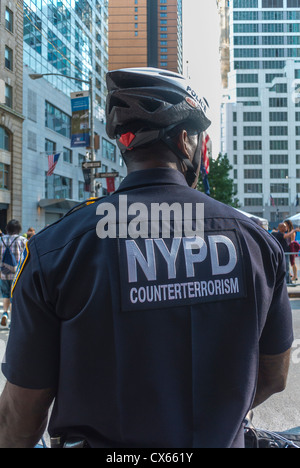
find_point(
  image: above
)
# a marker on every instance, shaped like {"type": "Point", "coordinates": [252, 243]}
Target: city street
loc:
{"type": "Point", "coordinates": [280, 413]}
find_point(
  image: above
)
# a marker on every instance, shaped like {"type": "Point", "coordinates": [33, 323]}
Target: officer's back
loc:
{"type": "Point", "coordinates": [150, 337]}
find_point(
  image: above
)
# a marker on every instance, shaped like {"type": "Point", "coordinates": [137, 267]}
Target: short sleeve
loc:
{"type": "Point", "coordinates": [277, 336]}
{"type": "Point", "coordinates": [32, 355]}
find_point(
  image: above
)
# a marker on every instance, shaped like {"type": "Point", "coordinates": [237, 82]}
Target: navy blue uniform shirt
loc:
{"type": "Point", "coordinates": [149, 342]}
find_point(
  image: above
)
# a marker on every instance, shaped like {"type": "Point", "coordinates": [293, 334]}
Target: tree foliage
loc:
{"type": "Point", "coordinates": [221, 184]}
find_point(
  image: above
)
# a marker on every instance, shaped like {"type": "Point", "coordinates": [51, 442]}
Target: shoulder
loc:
{"type": "Point", "coordinates": [75, 224]}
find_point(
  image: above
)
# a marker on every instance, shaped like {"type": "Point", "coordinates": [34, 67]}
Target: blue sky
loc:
{"type": "Point", "coordinates": [201, 49]}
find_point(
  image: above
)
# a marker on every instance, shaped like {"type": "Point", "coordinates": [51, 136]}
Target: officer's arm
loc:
{"type": "Point", "coordinates": [272, 377]}
{"type": "Point", "coordinates": [23, 416]}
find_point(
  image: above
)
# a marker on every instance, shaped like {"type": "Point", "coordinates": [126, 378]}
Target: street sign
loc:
{"type": "Point", "coordinates": [103, 175]}
{"type": "Point", "coordinates": [91, 164]}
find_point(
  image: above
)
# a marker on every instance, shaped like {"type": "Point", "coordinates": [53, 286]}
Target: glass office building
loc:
{"type": "Point", "coordinates": [65, 37]}
{"type": "Point", "coordinates": [68, 37]}
{"type": "Point", "coordinates": [260, 114]}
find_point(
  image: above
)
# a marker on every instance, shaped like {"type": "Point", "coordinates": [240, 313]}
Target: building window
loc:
{"type": "Point", "coordinates": [279, 188]}
{"type": "Point", "coordinates": [252, 131]}
{"type": "Point", "coordinates": [246, 53]}
{"type": "Point", "coordinates": [8, 58]}
{"type": "Point", "coordinates": [279, 159]}
{"type": "Point", "coordinates": [252, 159]}
{"type": "Point", "coordinates": [245, 4]}
{"type": "Point", "coordinates": [278, 116]}
{"type": "Point", "coordinates": [32, 31]}
{"type": "Point", "coordinates": [247, 92]}
{"type": "Point", "coordinates": [270, 76]}
{"type": "Point", "coordinates": [253, 201]}
{"type": "Point", "coordinates": [278, 102]}
{"type": "Point", "coordinates": [279, 145]}
{"type": "Point", "coordinates": [68, 155]}
{"type": "Point", "coordinates": [271, 28]}
{"type": "Point", "coordinates": [4, 139]}
{"type": "Point", "coordinates": [81, 191]}
{"type": "Point", "coordinates": [50, 147]}
{"type": "Point", "coordinates": [253, 188]}
{"type": "Point", "coordinates": [58, 187]}
{"type": "Point", "coordinates": [279, 173]}
{"type": "Point", "coordinates": [272, 40]}
{"type": "Point", "coordinates": [279, 88]}
{"type": "Point", "coordinates": [108, 150]}
{"type": "Point", "coordinates": [4, 176]}
{"type": "Point", "coordinates": [281, 201]}
{"type": "Point", "coordinates": [278, 131]}
{"type": "Point", "coordinates": [9, 20]}
{"type": "Point", "coordinates": [272, 3]}
{"type": "Point", "coordinates": [57, 120]}
{"type": "Point", "coordinates": [8, 96]}
{"type": "Point", "coordinates": [253, 174]}
{"type": "Point", "coordinates": [252, 117]}
{"type": "Point", "coordinates": [252, 145]}
{"type": "Point", "coordinates": [247, 78]}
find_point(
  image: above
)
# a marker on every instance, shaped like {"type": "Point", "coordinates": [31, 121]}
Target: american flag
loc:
{"type": "Point", "coordinates": [52, 161]}
{"type": "Point", "coordinates": [272, 200]}
{"type": "Point", "coordinates": [205, 157]}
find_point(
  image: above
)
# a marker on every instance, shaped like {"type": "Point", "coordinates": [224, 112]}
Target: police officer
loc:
{"type": "Point", "coordinates": [147, 335]}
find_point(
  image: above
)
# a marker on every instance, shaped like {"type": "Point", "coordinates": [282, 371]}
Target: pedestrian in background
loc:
{"type": "Point", "coordinates": [11, 246]}
{"type": "Point", "coordinates": [294, 247]}
{"type": "Point", "coordinates": [30, 233]}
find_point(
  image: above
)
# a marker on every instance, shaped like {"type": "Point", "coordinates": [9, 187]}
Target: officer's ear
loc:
{"type": "Point", "coordinates": [187, 144]}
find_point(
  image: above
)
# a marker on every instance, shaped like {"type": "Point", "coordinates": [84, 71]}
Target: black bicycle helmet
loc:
{"type": "Point", "coordinates": [144, 105]}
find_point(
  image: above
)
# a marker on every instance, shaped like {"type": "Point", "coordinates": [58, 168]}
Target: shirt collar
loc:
{"type": "Point", "coordinates": [157, 176]}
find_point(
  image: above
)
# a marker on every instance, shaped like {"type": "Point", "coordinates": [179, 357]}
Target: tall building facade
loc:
{"type": "Point", "coordinates": [66, 37]}
{"type": "Point", "coordinates": [145, 33]}
{"type": "Point", "coordinates": [260, 114]}
{"type": "Point", "coordinates": [11, 110]}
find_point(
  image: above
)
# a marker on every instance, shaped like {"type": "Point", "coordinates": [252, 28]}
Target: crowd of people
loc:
{"type": "Point", "coordinates": [12, 245]}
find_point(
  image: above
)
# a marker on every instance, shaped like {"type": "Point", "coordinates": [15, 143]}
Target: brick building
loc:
{"type": "Point", "coordinates": [11, 112]}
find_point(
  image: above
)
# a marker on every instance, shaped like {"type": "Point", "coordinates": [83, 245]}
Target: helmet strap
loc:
{"type": "Point", "coordinates": [192, 166]}
{"type": "Point", "coordinates": [129, 141]}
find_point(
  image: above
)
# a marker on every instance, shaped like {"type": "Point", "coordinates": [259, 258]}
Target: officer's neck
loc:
{"type": "Point", "coordinates": [144, 165]}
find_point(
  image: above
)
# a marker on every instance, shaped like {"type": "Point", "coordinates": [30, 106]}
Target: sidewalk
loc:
{"type": "Point", "coordinates": [294, 287]}
{"type": "Point", "coordinates": [294, 291]}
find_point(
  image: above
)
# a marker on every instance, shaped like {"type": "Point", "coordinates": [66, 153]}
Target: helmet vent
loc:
{"type": "Point", "coordinates": [150, 105]}
{"type": "Point", "coordinates": [117, 102]}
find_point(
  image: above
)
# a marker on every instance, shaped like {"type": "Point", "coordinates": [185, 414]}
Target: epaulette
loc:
{"type": "Point", "coordinates": [81, 205]}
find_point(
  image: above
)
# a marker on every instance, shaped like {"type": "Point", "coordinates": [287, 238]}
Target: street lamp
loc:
{"type": "Point", "coordinates": [37, 76]}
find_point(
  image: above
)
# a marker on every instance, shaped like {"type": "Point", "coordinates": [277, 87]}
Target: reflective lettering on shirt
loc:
{"type": "Point", "coordinates": [181, 270]}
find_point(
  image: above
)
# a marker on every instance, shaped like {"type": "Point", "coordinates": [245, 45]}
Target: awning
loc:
{"type": "Point", "coordinates": [261, 221]}
{"type": "Point", "coordinates": [57, 204]}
